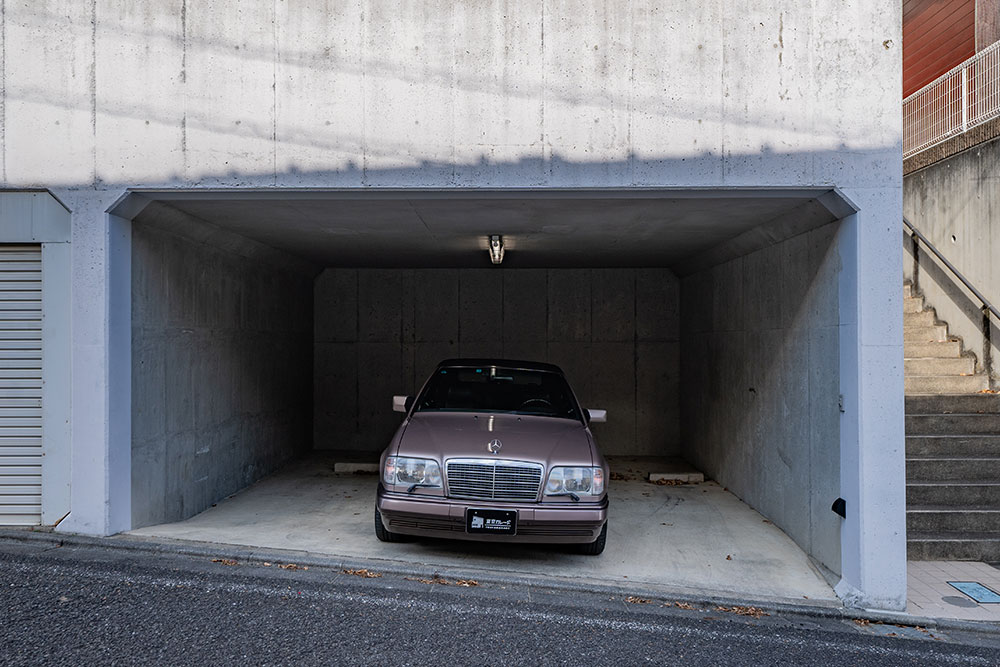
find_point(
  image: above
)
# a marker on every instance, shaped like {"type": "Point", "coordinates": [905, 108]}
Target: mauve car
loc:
{"type": "Point", "coordinates": [494, 450]}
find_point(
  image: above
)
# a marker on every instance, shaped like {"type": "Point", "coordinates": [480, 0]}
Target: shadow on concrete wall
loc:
{"type": "Point", "coordinates": [935, 281]}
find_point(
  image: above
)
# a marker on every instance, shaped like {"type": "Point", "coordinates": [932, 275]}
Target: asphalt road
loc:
{"type": "Point", "coordinates": [82, 604]}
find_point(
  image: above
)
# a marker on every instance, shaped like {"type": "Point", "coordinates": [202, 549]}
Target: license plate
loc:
{"type": "Point", "coordinates": [493, 522]}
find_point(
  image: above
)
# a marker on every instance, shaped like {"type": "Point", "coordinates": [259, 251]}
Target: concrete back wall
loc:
{"type": "Point", "coordinates": [760, 372]}
{"type": "Point", "coordinates": [955, 204]}
{"type": "Point", "coordinates": [613, 331]}
{"type": "Point", "coordinates": [222, 365]}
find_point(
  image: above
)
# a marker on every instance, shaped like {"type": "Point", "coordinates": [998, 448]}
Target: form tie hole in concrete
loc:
{"type": "Point", "coordinates": [954, 239]}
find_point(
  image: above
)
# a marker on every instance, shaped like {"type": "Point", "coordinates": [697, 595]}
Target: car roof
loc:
{"type": "Point", "coordinates": [504, 363]}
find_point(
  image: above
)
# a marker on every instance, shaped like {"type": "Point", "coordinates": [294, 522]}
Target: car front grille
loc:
{"type": "Point", "coordinates": [493, 480]}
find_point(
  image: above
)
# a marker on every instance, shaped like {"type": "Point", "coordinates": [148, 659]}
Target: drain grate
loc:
{"type": "Point", "coordinates": [976, 591]}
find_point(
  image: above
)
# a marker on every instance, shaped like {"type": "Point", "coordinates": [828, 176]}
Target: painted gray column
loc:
{"type": "Point", "coordinates": [101, 447]}
{"type": "Point", "coordinates": [872, 462]}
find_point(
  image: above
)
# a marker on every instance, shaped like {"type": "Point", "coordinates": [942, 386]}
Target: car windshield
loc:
{"type": "Point", "coordinates": [497, 389]}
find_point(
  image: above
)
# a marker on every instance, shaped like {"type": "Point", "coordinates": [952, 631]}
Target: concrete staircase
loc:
{"type": "Point", "coordinates": [952, 445]}
{"type": "Point", "coordinates": [933, 361]}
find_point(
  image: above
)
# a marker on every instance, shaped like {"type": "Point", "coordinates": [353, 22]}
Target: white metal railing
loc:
{"type": "Point", "coordinates": [964, 97]}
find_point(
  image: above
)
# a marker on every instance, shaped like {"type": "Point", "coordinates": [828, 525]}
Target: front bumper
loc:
{"type": "Point", "coordinates": [553, 523]}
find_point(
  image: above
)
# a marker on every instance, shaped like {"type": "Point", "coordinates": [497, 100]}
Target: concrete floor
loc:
{"type": "Point", "coordinates": [690, 538]}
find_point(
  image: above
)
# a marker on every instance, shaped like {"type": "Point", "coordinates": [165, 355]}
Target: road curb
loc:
{"type": "Point", "coordinates": [404, 568]}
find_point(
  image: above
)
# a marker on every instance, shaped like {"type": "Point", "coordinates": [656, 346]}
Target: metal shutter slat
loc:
{"type": "Point", "coordinates": [21, 443]}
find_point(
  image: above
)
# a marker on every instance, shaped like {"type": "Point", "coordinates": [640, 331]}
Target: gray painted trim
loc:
{"type": "Point", "coordinates": [56, 388]}
{"type": "Point", "coordinates": [33, 217]}
{"type": "Point", "coordinates": [132, 203]}
{"type": "Point", "coordinates": [119, 470]}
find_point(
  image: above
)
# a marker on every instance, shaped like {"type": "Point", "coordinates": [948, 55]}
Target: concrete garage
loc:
{"type": "Point", "coordinates": [269, 331]}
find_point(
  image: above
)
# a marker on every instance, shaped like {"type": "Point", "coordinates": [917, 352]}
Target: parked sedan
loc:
{"type": "Point", "coordinates": [494, 450]}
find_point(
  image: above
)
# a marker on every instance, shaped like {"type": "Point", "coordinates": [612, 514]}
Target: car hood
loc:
{"type": "Point", "coordinates": [546, 440]}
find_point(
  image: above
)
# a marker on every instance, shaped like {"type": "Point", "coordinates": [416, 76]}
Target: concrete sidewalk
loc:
{"type": "Point", "coordinates": [929, 593]}
{"type": "Point", "coordinates": [688, 538]}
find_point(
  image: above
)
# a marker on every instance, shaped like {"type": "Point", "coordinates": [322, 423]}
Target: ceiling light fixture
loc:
{"type": "Point", "coordinates": [496, 248]}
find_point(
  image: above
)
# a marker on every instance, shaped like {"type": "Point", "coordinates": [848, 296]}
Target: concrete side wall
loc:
{"type": "Point", "coordinates": [614, 332]}
{"type": "Point", "coordinates": [760, 372]}
{"type": "Point", "coordinates": [222, 372]}
{"type": "Point", "coordinates": [955, 203]}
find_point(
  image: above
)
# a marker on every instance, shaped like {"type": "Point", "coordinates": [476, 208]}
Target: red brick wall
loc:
{"type": "Point", "coordinates": [937, 35]}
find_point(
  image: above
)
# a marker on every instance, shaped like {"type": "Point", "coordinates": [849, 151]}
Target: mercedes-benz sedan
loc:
{"type": "Point", "coordinates": [494, 450]}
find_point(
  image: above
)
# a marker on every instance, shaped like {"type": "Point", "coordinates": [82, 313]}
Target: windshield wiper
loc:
{"type": "Point", "coordinates": [575, 497]}
{"type": "Point", "coordinates": [421, 486]}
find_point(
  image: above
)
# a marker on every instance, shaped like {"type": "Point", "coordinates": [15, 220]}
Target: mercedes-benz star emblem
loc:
{"type": "Point", "coordinates": [494, 446]}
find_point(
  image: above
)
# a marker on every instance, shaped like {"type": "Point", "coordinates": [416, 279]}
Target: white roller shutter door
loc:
{"type": "Point", "coordinates": [20, 385]}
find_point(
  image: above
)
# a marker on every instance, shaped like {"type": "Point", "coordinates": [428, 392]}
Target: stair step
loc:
{"type": "Point", "coordinates": [964, 404]}
{"type": "Point", "coordinates": [925, 334]}
{"type": "Point", "coordinates": [942, 469]}
{"type": "Point", "coordinates": [923, 318]}
{"type": "Point", "coordinates": [960, 423]}
{"type": "Point", "coordinates": [957, 446]}
{"type": "Point", "coordinates": [944, 384]}
{"type": "Point", "coordinates": [945, 349]}
{"type": "Point", "coordinates": [955, 521]}
{"type": "Point", "coordinates": [934, 546]}
{"type": "Point", "coordinates": [957, 493]}
{"type": "Point", "coordinates": [912, 304]}
{"type": "Point", "coordinates": [938, 366]}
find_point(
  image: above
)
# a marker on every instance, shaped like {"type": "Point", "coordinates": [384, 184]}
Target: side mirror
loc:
{"type": "Point", "coordinates": [401, 403]}
{"type": "Point", "coordinates": [597, 416]}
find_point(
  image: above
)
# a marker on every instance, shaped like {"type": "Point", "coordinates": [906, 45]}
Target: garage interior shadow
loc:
{"type": "Point", "coordinates": [266, 329]}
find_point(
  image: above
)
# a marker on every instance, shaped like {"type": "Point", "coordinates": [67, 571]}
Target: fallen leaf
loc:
{"type": "Point", "coordinates": [635, 600]}
{"type": "Point", "coordinates": [468, 583]}
{"type": "Point", "coordinates": [988, 391]}
{"type": "Point", "coordinates": [266, 564]}
{"type": "Point", "coordinates": [291, 566]}
{"type": "Point", "coordinates": [741, 610]}
{"type": "Point", "coordinates": [364, 574]}
{"type": "Point", "coordinates": [729, 557]}
{"type": "Point", "coordinates": [225, 561]}
{"type": "Point", "coordinates": [618, 476]}
{"type": "Point", "coordinates": [862, 622]}
{"type": "Point", "coordinates": [683, 605]}
{"type": "Point", "coordinates": [63, 598]}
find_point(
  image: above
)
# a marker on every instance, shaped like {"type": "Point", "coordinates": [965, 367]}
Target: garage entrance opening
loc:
{"type": "Point", "coordinates": [273, 328]}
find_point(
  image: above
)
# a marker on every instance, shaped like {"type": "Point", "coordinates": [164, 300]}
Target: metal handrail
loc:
{"type": "Point", "coordinates": [951, 267]}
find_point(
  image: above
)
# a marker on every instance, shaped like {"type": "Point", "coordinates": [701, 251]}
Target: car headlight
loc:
{"type": "Point", "coordinates": [406, 470]}
{"type": "Point", "coordinates": [575, 481]}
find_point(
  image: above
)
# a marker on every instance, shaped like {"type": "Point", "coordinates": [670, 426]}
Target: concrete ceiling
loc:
{"type": "Point", "coordinates": [579, 228]}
